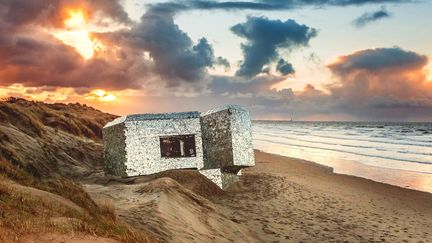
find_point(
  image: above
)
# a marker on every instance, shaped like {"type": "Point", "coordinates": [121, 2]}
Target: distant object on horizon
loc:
{"type": "Point", "coordinates": [218, 143]}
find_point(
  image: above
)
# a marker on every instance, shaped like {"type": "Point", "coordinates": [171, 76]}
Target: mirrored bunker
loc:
{"type": "Point", "coordinates": [218, 143]}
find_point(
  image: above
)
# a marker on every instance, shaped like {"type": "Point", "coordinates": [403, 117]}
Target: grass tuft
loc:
{"type": "Point", "coordinates": [23, 213]}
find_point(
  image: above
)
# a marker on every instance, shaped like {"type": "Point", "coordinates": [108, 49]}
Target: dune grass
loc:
{"type": "Point", "coordinates": [37, 166]}
{"type": "Point", "coordinates": [23, 213]}
{"type": "Point", "coordinates": [76, 119]}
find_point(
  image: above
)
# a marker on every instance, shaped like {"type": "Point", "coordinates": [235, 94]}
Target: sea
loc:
{"type": "Point", "coordinates": [399, 154]}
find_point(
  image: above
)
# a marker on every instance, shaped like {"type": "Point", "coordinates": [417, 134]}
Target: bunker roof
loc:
{"type": "Point", "coordinates": [224, 107]}
{"type": "Point", "coordinates": [155, 116]}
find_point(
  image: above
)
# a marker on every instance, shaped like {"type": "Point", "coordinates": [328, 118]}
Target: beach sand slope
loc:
{"type": "Point", "coordinates": [170, 211]}
{"type": "Point", "coordinates": [290, 200]}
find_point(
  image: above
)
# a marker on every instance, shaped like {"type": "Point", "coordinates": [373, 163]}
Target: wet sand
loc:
{"type": "Point", "coordinates": [290, 200]}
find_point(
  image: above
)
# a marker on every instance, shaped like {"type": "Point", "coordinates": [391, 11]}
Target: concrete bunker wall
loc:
{"type": "Point", "coordinates": [143, 151]}
{"type": "Point", "coordinates": [227, 138]}
{"type": "Point", "coordinates": [241, 130]}
{"type": "Point", "coordinates": [217, 141]}
{"type": "Point", "coordinates": [114, 152]}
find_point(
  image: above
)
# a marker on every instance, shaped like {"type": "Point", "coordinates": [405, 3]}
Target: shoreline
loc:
{"type": "Point", "coordinates": [298, 159]}
{"type": "Point", "coordinates": [331, 170]}
{"type": "Point", "coordinates": [369, 172]}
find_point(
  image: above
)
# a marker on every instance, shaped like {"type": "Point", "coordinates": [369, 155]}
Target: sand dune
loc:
{"type": "Point", "coordinates": [279, 200]}
{"type": "Point", "coordinates": [171, 212]}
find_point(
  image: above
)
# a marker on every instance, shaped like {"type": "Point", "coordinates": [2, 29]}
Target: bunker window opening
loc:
{"type": "Point", "coordinates": [182, 154]}
{"type": "Point", "coordinates": [178, 146]}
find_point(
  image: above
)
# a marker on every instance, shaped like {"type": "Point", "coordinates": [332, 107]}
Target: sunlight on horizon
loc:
{"type": "Point", "coordinates": [101, 95]}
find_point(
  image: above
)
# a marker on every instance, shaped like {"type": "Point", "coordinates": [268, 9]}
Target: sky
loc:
{"type": "Point", "coordinates": [350, 60]}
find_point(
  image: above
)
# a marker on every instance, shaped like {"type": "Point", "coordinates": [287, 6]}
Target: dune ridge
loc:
{"type": "Point", "coordinates": [45, 152]}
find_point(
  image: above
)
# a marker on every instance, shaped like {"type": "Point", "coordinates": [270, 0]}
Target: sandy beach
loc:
{"type": "Point", "coordinates": [279, 200]}
{"type": "Point", "coordinates": [284, 199]}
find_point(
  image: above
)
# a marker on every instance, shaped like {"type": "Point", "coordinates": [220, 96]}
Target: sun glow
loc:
{"type": "Point", "coordinates": [76, 33]}
{"type": "Point", "coordinates": [75, 19]}
{"type": "Point", "coordinates": [429, 72]}
{"type": "Point", "coordinates": [100, 95]}
{"type": "Point", "coordinates": [45, 94]}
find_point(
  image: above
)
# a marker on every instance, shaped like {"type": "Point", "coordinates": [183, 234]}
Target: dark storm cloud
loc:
{"type": "Point", "coordinates": [264, 37]}
{"type": "Point", "coordinates": [371, 17]}
{"type": "Point", "coordinates": [176, 57]}
{"type": "Point", "coordinates": [284, 67]}
{"type": "Point", "coordinates": [263, 4]}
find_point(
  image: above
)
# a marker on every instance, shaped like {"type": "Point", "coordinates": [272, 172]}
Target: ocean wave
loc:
{"type": "Point", "coordinates": [411, 152]}
{"type": "Point", "coordinates": [348, 152]}
{"type": "Point", "coordinates": [422, 143]}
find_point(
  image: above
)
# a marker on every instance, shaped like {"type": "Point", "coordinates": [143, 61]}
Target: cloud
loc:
{"type": "Point", "coordinates": [16, 13]}
{"type": "Point", "coordinates": [175, 57]}
{"type": "Point", "coordinates": [285, 67]}
{"type": "Point", "coordinates": [372, 84]}
{"type": "Point", "coordinates": [31, 56]}
{"type": "Point", "coordinates": [153, 53]}
{"type": "Point", "coordinates": [391, 73]}
{"type": "Point", "coordinates": [258, 94]}
{"type": "Point", "coordinates": [264, 37]}
{"type": "Point", "coordinates": [223, 62]}
{"type": "Point", "coordinates": [235, 85]}
{"type": "Point", "coordinates": [371, 17]}
{"type": "Point", "coordinates": [379, 59]}
{"type": "Point", "coordinates": [268, 5]}
{"type": "Point", "coordinates": [41, 60]}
